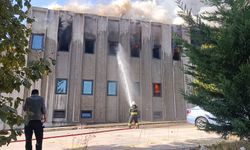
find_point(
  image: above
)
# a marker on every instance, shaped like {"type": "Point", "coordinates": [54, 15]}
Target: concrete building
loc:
{"type": "Point", "coordinates": [85, 85]}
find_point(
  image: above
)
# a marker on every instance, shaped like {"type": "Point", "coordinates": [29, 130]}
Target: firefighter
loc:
{"type": "Point", "coordinates": [133, 115]}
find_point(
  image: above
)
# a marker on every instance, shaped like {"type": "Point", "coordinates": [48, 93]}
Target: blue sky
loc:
{"type": "Point", "coordinates": [45, 3]}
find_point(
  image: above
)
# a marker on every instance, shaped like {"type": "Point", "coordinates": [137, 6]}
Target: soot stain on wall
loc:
{"type": "Point", "coordinates": [64, 31]}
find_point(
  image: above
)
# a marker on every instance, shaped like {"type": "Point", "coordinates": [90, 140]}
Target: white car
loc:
{"type": "Point", "coordinates": [199, 117]}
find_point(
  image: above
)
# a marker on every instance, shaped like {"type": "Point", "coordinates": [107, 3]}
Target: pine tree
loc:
{"type": "Point", "coordinates": [219, 63]}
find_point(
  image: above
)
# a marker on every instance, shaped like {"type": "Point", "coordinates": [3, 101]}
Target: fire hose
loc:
{"type": "Point", "coordinates": [78, 134]}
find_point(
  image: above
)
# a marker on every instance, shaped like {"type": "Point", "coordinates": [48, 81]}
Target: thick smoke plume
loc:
{"type": "Point", "coordinates": [164, 11]}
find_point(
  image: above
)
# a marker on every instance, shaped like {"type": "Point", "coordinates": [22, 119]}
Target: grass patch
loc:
{"type": "Point", "coordinates": [229, 145]}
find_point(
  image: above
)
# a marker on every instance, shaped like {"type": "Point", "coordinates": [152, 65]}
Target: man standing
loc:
{"type": "Point", "coordinates": [133, 115]}
{"type": "Point", "coordinates": [34, 107]}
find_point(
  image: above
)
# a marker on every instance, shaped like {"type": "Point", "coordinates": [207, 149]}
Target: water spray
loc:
{"type": "Point", "coordinates": [124, 73]}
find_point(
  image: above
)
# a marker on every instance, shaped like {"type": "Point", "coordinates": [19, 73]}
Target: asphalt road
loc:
{"type": "Point", "coordinates": [178, 136]}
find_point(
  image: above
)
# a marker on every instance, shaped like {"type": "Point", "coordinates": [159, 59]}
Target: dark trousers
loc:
{"type": "Point", "coordinates": [37, 127]}
{"type": "Point", "coordinates": [133, 118]}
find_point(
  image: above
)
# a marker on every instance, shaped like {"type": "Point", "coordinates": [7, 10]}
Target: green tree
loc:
{"type": "Point", "coordinates": [15, 71]}
{"type": "Point", "coordinates": [219, 63]}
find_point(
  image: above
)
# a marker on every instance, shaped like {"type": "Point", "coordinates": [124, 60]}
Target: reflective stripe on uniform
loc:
{"type": "Point", "coordinates": [133, 113]}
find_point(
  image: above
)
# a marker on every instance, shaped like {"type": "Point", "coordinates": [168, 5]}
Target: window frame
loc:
{"type": "Point", "coordinates": [157, 115]}
{"type": "Point", "coordinates": [177, 53]}
{"type": "Point", "coordinates": [137, 49]}
{"type": "Point", "coordinates": [56, 91]}
{"type": "Point", "coordinates": [59, 110]}
{"type": "Point", "coordinates": [116, 83]}
{"type": "Point", "coordinates": [115, 44]}
{"type": "Point", "coordinates": [90, 40]}
{"type": "Point", "coordinates": [91, 114]}
{"type": "Point", "coordinates": [91, 87]}
{"type": "Point", "coordinates": [155, 94]}
{"type": "Point", "coordinates": [32, 40]}
{"type": "Point", "coordinates": [156, 47]}
{"type": "Point", "coordinates": [61, 33]}
{"type": "Point", "coordinates": [136, 88]}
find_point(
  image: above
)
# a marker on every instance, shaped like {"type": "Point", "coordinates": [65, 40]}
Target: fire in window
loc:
{"type": "Point", "coordinates": [157, 89]}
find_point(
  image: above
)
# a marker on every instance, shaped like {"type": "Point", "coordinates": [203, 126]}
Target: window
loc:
{"type": "Point", "coordinates": [89, 46]}
{"type": "Point", "coordinates": [87, 87]}
{"type": "Point", "coordinates": [86, 114]}
{"type": "Point", "coordinates": [157, 115]}
{"type": "Point", "coordinates": [135, 50]}
{"type": "Point", "coordinates": [59, 114]}
{"type": "Point", "coordinates": [157, 51]}
{"type": "Point", "coordinates": [112, 88]}
{"type": "Point", "coordinates": [136, 89]}
{"type": "Point", "coordinates": [176, 55]}
{"type": "Point", "coordinates": [157, 89]}
{"type": "Point", "coordinates": [113, 47]}
{"type": "Point", "coordinates": [64, 32]}
{"type": "Point", "coordinates": [135, 39]}
{"type": "Point", "coordinates": [61, 86]}
{"type": "Point", "coordinates": [37, 42]}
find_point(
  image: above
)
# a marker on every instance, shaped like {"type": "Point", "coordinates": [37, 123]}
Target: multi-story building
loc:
{"type": "Point", "coordinates": [85, 85]}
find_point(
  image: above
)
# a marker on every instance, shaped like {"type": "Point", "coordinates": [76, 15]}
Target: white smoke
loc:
{"type": "Point", "coordinates": [164, 11]}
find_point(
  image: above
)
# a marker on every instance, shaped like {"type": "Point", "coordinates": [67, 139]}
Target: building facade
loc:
{"type": "Point", "coordinates": [85, 85]}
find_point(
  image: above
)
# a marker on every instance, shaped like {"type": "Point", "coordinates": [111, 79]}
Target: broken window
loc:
{"type": "Point", "coordinates": [64, 31]}
{"type": "Point", "coordinates": [157, 89]}
{"type": "Point", "coordinates": [90, 28]}
{"type": "Point", "coordinates": [89, 46]}
{"type": "Point", "coordinates": [61, 86]}
{"type": "Point", "coordinates": [156, 39]}
{"type": "Point", "coordinates": [113, 48]}
{"type": "Point", "coordinates": [135, 39]}
{"type": "Point", "coordinates": [176, 49]}
{"type": "Point", "coordinates": [113, 36]}
{"type": "Point", "coordinates": [59, 114]}
{"type": "Point", "coordinates": [37, 41]}
{"type": "Point", "coordinates": [157, 51]}
{"type": "Point", "coordinates": [135, 50]}
{"type": "Point", "coordinates": [86, 114]}
{"type": "Point", "coordinates": [176, 54]}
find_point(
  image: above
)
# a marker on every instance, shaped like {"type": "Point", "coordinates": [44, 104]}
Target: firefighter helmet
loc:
{"type": "Point", "coordinates": [133, 103]}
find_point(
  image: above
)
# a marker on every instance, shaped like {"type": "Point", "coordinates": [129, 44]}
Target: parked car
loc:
{"type": "Point", "coordinates": [199, 117]}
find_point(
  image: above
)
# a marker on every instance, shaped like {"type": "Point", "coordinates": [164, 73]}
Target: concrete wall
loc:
{"type": "Point", "coordinates": [75, 65]}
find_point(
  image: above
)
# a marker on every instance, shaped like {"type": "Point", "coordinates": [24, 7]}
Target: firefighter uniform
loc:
{"type": "Point", "coordinates": [133, 116]}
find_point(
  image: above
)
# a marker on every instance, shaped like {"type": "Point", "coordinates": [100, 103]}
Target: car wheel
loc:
{"type": "Point", "coordinates": [201, 123]}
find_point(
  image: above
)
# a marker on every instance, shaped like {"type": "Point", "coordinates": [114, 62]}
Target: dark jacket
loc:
{"type": "Point", "coordinates": [133, 110]}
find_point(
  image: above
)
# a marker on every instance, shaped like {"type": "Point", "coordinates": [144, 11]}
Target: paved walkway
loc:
{"type": "Point", "coordinates": [153, 137]}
